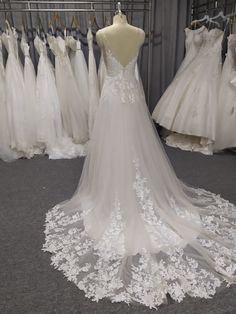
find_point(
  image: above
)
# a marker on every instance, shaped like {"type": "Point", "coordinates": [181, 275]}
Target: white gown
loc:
{"type": "Point", "coordinates": [20, 135]}
{"type": "Point", "coordinates": [226, 116]}
{"type": "Point", "coordinates": [93, 83]}
{"type": "Point", "coordinates": [30, 92]}
{"type": "Point", "coordinates": [6, 153]}
{"type": "Point", "coordinates": [79, 68]}
{"type": "Point", "coordinates": [73, 108]}
{"type": "Point", "coordinates": [50, 133]}
{"type": "Point", "coordinates": [189, 107]}
{"type": "Point", "coordinates": [133, 231]}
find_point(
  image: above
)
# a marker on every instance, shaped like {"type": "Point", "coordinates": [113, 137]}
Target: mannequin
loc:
{"type": "Point", "coordinates": [124, 39]}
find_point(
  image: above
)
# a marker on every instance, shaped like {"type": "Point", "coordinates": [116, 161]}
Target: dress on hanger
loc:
{"type": "Point", "coordinates": [50, 131]}
{"type": "Point", "coordinates": [133, 231]}
{"type": "Point", "coordinates": [6, 153]}
{"type": "Point", "coordinates": [20, 136]}
{"type": "Point", "coordinates": [93, 83]}
{"type": "Point", "coordinates": [189, 107]}
{"type": "Point", "coordinates": [226, 115]}
{"type": "Point", "coordinates": [79, 68]}
{"type": "Point", "coordinates": [73, 108]}
{"type": "Point", "coordinates": [30, 91]}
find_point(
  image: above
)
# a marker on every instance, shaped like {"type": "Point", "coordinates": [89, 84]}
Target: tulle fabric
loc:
{"type": "Point", "coordinates": [226, 113]}
{"type": "Point", "coordinates": [73, 108]}
{"type": "Point", "coordinates": [132, 231]}
{"type": "Point", "coordinates": [101, 73]}
{"type": "Point", "coordinates": [50, 132]}
{"type": "Point", "coordinates": [190, 104]}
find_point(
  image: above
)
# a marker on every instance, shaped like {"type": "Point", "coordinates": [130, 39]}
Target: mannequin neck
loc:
{"type": "Point", "coordinates": [120, 19]}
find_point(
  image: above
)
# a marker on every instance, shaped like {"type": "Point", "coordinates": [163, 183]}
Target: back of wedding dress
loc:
{"type": "Point", "coordinates": [132, 231]}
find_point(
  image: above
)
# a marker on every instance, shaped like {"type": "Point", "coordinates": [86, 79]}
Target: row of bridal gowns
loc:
{"type": "Point", "coordinates": [226, 118]}
{"type": "Point", "coordinates": [18, 109]}
{"type": "Point", "coordinates": [73, 108]}
{"type": "Point", "coordinates": [189, 106]}
{"type": "Point", "coordinates": [47, 113]}
{"type": "Point", "coordinates": [51, 130]}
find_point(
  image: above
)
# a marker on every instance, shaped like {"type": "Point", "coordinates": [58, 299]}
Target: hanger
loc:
{"type": "Point", "coordinates": [205, 18]}
{"type": "Point", "coordinates": [56, 19]}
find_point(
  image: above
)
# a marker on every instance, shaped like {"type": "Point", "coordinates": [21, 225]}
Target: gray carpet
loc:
{"type": "Point", "coordinates": [29, 285]}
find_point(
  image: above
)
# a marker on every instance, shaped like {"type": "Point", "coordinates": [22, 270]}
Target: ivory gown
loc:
{"type": "Point", "coordinates": [189, 106]}
{"type": "Point", "coordinates": [132, 231]}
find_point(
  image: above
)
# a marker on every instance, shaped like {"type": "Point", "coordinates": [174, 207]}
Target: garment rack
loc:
{"type": "Point", "coordinates": [89, 6]}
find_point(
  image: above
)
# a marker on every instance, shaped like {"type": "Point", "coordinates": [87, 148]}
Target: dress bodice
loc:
{"type": "Point", "coordinates": [57, 45]}
{"type": "Point", "coordinates": [212, 41]}
{"type": "Point", "coordinates": [72, 43]}
{"type": "Point", "coordinates": [24, 46]}
{"type": "Point", "coordinates": [40, 46]}
{"type": "Point", "coordinates": [114, 67]}
{"type": "Point", "coordinates": [193, 39]}
{"type": "Point", "coordinates": [8, 40]}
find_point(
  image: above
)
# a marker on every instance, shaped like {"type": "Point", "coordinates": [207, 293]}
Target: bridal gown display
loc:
{"type": "Point", "coordinates": [79, 68]}
{"type": "Point", "coordinates": [6, 153]}
{"type": "Point", "coordinates": [133, 232]}
{"type": "Point", "coordinates": [50, 133]}
{"type": "Point", "coordinates": [20, 134]}
{"type": "Point", "coordinates": [189, 106]}
{"type": "Point", "coordinates": [226, 115]}
{"type": "Point", "coordinates": [93, 83]}
{"type": "Point", "coordinates": [73, 108]}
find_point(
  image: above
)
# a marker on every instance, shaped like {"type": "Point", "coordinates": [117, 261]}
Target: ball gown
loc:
{"type": "Point", "coordinates": [190, 104]}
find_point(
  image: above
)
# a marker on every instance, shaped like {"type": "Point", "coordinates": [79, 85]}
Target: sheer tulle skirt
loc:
{"type": "Point", "coordinates": [133, 231]}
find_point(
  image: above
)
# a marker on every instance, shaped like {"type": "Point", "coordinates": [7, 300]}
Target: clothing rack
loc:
{"type": "Point", "coordinates": [146, 6]}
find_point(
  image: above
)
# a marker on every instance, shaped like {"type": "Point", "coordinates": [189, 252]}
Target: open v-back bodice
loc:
{"type": "Point", "coordinates": [114, 66]}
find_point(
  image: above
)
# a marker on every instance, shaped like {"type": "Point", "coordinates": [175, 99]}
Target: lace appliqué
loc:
{"type": "Point", "coordinates": [102, 269]}
{"type": "Point", "coordinates": [160, 233]}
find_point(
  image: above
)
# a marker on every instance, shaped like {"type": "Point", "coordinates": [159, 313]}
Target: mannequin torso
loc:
{"type": "Point", "coordinates": [124, 39]}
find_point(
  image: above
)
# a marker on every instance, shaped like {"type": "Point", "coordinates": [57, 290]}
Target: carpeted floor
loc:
{"type": "Point", "coordinates": [29, 285]}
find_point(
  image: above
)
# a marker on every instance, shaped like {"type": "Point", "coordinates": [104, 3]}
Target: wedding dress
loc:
{"type": "Point", "coordinates": [93, 83]}
{"type": "Point", "coordinates": [30, 91]}
{"type": "Point", "coordinates": [79, 68]}
{"type": "Point", "coordinates": [6, 153]}
{"type": "Point", "coordinates": [133, 231]}
{"type": "Point", "coordinates": [226, 116]}
{"type": "Point", "coordinates": [50, 133]}
{"type": "Point", "coordinates": [73, 108]}
{"type": "Point", "coordinates": [189, 107]}
{"type": "Point", "coordinates": [20, 136]}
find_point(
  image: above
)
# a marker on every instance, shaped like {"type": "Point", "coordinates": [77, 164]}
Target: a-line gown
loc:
{"type": "Point", "coordinates": [133, 231]}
